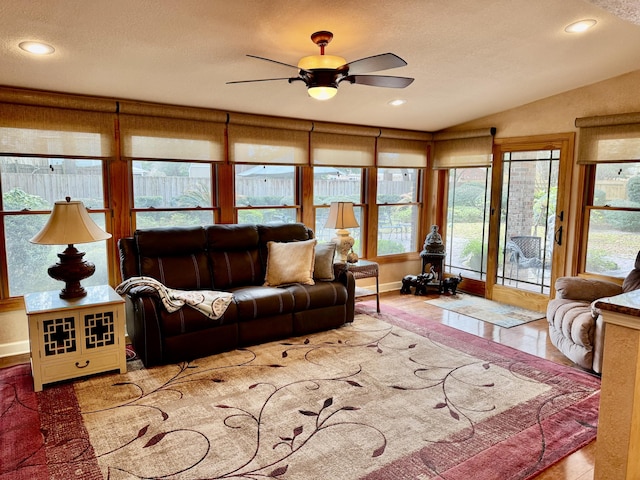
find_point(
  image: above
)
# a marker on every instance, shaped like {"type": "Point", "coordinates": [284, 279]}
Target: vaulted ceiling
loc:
{"type": "Point", "coordinates": [469, 58]}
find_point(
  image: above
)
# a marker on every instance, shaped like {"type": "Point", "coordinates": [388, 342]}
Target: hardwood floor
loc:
{"type": "Point", "coordinates": [532, 338]}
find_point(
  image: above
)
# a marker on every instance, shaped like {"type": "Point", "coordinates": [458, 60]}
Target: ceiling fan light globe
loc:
{"type": "Point", "coordinates": [322, 93]}
{"type": "Point", "coordinates": [313, 62]}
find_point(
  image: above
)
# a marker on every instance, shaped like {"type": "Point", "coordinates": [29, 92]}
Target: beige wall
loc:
{"type": "Point", "coordinates": [551, 115]}
{"type": "Point", "coordinates": [557, 114]}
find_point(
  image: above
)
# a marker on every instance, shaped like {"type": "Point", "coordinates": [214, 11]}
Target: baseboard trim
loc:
{"type": "Point", "coordinates": [14, 348]}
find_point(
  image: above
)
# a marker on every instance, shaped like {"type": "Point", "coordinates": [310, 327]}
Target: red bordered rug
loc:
{"type": "Point", "coordinates": [383, 398]}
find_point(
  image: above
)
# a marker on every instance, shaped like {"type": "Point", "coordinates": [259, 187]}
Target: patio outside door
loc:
{"type": "Point", "coordinates": [526, 231]}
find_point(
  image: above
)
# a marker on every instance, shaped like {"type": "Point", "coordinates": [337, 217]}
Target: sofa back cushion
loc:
{"type": "Point", "coordinates": [281, 232]}
{"type": "Point", "coordinates": [632, 281]}
{"type": "Point", "coordinates": [234, 256]}
{"type": "Point", "coordinates": [174, 256]}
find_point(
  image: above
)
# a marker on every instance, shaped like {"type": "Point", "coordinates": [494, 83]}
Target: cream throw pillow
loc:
{"type": "Point", "coordinates": [290, 262]}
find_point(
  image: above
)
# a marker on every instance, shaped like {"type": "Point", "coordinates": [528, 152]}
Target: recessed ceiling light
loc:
{"type": "Point", "coordinates": [581, 26]}
{"type": "Point", "coordinates": [397, 102]}
{"type": "Point", "coordinates": [37, 48]}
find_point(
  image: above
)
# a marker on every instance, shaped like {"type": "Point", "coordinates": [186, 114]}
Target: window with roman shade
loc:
{"type": "Point", "coordinates": [172, 153]}
{"type": "Point", "coordinates": [51, 146]}
{"type": "Point", "coordinates": [266, 153]}
{"type": "Point", "coordinates": [609, 149]}
{"type": "Point", "coordinates": [401, 160]}
{"type": "Point", "coordinates": [349, 150]}
{"type": "Point", "coordinates": [467, 158]}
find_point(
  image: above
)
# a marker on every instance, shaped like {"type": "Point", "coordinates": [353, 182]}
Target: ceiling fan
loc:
{"type": "Point", "coordinates": [323, 73]}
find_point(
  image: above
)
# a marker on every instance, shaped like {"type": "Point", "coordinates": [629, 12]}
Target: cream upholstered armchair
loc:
{"type": "Point", "coordinates": [576, 327]}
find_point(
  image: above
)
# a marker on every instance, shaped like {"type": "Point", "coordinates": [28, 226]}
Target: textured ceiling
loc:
{"type": "Point", "coordinates": [469, 58]}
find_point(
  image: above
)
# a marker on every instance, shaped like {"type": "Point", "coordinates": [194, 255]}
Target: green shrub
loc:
{"type": "Point", "coordinates": [598, 262]}
{"type": "Point", "coordinates": [389, 247]}
{"type": "Point", "coordinates": [472, 254]}
{"type": "Point", "coordinates": [623, 220]}
{"type": "Point", "coordinates": [599, 197]}
{"type": "Point", "coordinates": [633, 189]}
{"type": "Point", "coordinates": [468, 215]}
{"type": "Point", "coordinates": [149, 201]}
{"type": "Point", "coordinates": [469, 194]}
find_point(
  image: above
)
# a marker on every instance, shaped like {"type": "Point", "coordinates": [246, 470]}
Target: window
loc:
{"type": "Point", "coordinates": [398, 210]}
{"type": "Point", "coordinates": [49, 154]}
{"type": "Point", "coordinates": [613, 233]}
{"type": "Point", "coordinates": [337, 184]}
{"type": "Point", "coordinates": [468, 221]}
{"type": "Point", "coordinates": [265, 193]}
{"type": "Point", "coordinates": [609, 147]}
{"type": "Point", "coordinates": [172, 164]}
{"type": "Point", "coordinates": [169, 193]}
{"type": "Point", "coordinates": [30, 187]}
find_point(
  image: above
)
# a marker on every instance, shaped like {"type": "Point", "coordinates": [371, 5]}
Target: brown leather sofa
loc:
{"type": "Point", "coordinates": [232, 258]}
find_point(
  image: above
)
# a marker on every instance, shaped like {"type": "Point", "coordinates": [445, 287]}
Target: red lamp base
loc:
{"type": "Point", "coordinates": [71, 269]}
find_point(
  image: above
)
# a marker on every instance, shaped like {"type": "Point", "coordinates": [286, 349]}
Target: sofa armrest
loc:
{"type": "Point", "coordinates": [344, 276]}
{"type": "Point", "coordinates": [585, 289]}
{"type": "Point", "coordinates": [143, 291]}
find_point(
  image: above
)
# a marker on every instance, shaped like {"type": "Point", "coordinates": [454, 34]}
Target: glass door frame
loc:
{"type": "Point", "coordinates": [564, 143]}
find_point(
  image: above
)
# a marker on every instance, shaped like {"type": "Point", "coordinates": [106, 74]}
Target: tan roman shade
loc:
{"type": "Point", "coordinates": [609, 138]}
{"type": "Point", "coordinates": [399, 148]}
{"type": "Point", "coordinates": [175, 133]}
{"type": "Point", "coordinates": [343, 145]}
{"type": "Point", "coordinates": [67, 126]}
{"type": "Point", "coordinates": [268, 140]}
{"type": "Point", "coordinates": [463, 149]}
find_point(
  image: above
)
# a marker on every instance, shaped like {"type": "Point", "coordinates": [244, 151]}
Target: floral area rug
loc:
{"type": "Point", "coordinates": [371, 400]}
{"type": "Point", "coordinates": [500, 314]}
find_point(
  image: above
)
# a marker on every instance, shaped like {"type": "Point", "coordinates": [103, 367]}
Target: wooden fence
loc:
{"type": "Point", "coordinates": [88, 188]}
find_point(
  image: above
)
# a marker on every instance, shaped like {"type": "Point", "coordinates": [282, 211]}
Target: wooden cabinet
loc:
{"type": "Point", "coordinates": [73, 338]}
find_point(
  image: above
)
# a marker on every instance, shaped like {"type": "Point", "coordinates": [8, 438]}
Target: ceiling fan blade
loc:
{"type": "Point", "coordinates": [262, 80]}
{"type": "Point", "coordinates": [379, 80]}
{"type": "Point", "coordinates": [274, 61]}
{"type": "Point", "coordinates": [384, 61]}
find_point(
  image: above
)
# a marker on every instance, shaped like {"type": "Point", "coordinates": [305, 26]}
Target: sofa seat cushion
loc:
{"type": "Point", "coordinates": [322, 294]}
{"type": "Point", "coordinates": [258, 302]}
{"type": "Point", "coordinates": [187, 320]}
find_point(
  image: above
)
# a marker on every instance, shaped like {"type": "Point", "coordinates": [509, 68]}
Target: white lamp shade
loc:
{"type": "Point", "coordinates": [341, 215]}
{"type": "Point", "coordinates": [69, 223]}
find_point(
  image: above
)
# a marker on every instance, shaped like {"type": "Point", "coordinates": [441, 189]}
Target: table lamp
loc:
{"type": "Point", "coordinates": [341, 217]}
{"type": "Point", "coordinates": [70, 223]}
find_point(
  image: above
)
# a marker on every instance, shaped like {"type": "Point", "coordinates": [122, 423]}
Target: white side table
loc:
{"type": "Point", "coordinates": [366, 269]}
{"type": "Point", "coordinates": [76, 337]}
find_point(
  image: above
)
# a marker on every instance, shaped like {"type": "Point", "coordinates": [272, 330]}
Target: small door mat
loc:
{"type": "Point", "coordinates": [500, 314]}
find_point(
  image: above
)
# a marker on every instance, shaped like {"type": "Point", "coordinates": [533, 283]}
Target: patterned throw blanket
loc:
{"type": "Point", "coordinates": [211, 303]}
